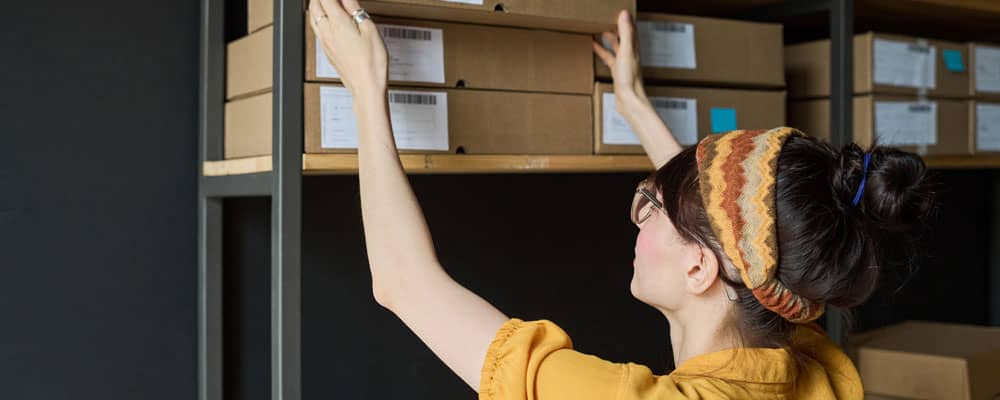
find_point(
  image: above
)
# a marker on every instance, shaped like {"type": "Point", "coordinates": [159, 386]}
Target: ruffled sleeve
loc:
{"type": "Point", "coordinates": [535, 360]}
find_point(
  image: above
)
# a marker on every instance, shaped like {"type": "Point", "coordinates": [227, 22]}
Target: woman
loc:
{"type": "Point", "coordinates": [708, 256]}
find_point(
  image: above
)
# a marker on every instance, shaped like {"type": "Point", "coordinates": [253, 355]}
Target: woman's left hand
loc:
{"type": "Point", "coordinates": [355, 50]}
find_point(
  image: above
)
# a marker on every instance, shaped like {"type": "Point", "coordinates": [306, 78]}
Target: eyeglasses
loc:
{"type": "Point", "coordinates": [643, 203]}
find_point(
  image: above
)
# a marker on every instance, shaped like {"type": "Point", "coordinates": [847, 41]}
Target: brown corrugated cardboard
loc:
{"type": "Point", "coordinates": [589, 16]}
{"type": "Point", "coordinates": [247, 131]}
{"type": "Point", "coordinates": [754, 109]}
{"type": "Point", "coordinates": [728, 52]}
{"type": "Point", "coordinates": [483, 57]}
{"type": "Point", "coordinates": [984, 126]}
{"type": "Point", "coordinates": [807, 67]}
{"type": "Point", "coordinates": [953, 137]}
{"type": "Point", "coordinates": [260, 13]}
{"type": "Point", "coordinates": [928, 360]}
{"type": "Point", "coordinates": [249, 64]}
{"type": "Point", "coordinates": [490, 122]}
{"type": "Point", "coordinates": [984, 71]}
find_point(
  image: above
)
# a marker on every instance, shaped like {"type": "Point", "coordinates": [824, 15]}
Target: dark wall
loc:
{"type": "Point", "coordinates": [97, 199]}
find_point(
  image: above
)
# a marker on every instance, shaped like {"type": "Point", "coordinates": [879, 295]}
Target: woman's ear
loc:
{"type": "Point", "coordinates": [702, 275]}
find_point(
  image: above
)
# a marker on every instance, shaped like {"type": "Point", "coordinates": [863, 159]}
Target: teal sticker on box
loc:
{"type": "Point", "coordinates": [723, 119]}
{"type": "Point", "coordinates": [953, 60]}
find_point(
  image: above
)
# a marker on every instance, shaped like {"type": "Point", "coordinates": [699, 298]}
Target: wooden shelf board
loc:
{"type": "Point", "coordinates": [979, 161]}
{"type": "Point", "coordinates": [336, 164]}
{"type": "Point", "coordinates": [238, 166]}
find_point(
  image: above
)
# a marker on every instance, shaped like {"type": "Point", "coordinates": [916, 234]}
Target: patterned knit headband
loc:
{"type": "Point", "coordinates": [737, 173]}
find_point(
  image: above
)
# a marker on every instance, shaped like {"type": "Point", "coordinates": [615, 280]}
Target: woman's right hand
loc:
{"type": "Point", "coordinates": [623, 62]}
{"type": "Point", "coordinates": [356, 50]}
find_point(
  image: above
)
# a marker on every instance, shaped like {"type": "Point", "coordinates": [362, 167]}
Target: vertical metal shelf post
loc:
{"type": "Point", "coordinates": [286, 200]}
{"type": "Point", "coordinates": [210, 101]}
{"type": "Point", "coordinates": [841, 110]}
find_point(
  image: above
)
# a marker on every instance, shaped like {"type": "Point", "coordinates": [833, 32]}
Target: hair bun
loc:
{"type": "Point", "coordinates": [897, 195]}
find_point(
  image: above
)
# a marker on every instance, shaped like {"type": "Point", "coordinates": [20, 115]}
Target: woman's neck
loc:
{"type": "Point", "coordinates": [700, 328]}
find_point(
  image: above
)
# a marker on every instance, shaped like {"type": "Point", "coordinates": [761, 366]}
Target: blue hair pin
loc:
{"type": "Point", "coordinates": [864, 177]}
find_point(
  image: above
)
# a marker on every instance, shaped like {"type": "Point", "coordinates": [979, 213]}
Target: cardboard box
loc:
{"type": "Point", "coordinates": [901, 65]}
{"type": "Point", "coordinates": [984, 70]}
{"type": "Point", "coordinates": [247, 130]}
{"type": "Point", "coordinates": [929, 360]}
{"type": "Point", "coordinates": [249, 64]}
{"type": "Point", "coordinates": [984, 123]}
{"type": "Point", "coordinates": [906, 124]}
{"type": "Point", "coordinates": [260, 13]}
{"type": "Point", "coordinates": [691, 114]}
{"type": "Point", "coordinates": [588, 16]}
{"type": "Point", "coordinates": [584, 16]}
{"type": "Point", "coordinates": [442, 54]}
{"type": "Point", "coordinates": [682, 48]}
{"type": "Point", "coordinates": [471, 121]}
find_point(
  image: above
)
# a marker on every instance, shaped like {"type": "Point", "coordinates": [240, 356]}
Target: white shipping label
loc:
{"type": "Point", "coordinates": [987, 69]}
{"type": "Point", "coordinates": [415, 54]}
{"type": "Point", "coordinates": [666, 44]}
{"type": "Point", "coordinates": [680, 115]}
{"type": "Point", "coordinates": [904, 64]}
{"type": "Point", "coordinates": [419, 119]}
{"type": "Point", "coordinates": [988, 127]}
{"type": "Point", "coordinates": [900, 123]}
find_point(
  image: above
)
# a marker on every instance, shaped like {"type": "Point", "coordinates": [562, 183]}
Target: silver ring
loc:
{"type": "Point", "coordinates": [360, 15]}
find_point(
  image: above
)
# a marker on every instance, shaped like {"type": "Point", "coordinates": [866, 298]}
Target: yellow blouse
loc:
{"type": "Point", "coordinates": [535, 361]}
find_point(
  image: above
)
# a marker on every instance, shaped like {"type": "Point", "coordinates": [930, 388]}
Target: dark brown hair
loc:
{"type": "Point", "coordinates": [830, 251]}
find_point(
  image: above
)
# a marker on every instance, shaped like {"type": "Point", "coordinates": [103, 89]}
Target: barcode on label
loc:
{"type": "Point", "coordinates": [410, 98]}
{"type": "Point", "coordinates": [403, 33]}
{"type": "Point", "coordinates": [921, 108]}
{"type": "Point", "coordinates": [669, 27]}
{"type": "Point", "coordinates": [916, 48]}
{"type": "Point", "coordinates": [669, 104]}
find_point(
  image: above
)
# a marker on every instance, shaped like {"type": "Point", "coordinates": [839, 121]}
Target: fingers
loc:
{"type": "Point", "coordinates": [626, 33]}
{"type": "Point", "coordinates": [336, 13]}
{"type": "Point", "coordinates": [367, 27]}
{"type": "Point", "coordinates": [611, 39]}
{"type": "Point", "coordinates": [321, 26]}
{"type": "Point", "coordinates": [605, 55]}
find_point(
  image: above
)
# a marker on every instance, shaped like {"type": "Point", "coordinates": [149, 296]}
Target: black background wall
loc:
{"type": "Point", "coordinates": [97, 199]}
{"type": "Point", "coordinates": [97, 236]}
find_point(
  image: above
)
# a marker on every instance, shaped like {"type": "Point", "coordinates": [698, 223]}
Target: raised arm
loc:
{"type": "Point", "coordinates": [456, 324]}
{"type": "Point", "coordinates": [630, 97]}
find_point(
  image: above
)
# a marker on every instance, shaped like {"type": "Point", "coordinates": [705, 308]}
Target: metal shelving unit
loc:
{"type": "Point", "coordinates": [283, 184]}
{"type": "Point", "coordinates": [280, 178]}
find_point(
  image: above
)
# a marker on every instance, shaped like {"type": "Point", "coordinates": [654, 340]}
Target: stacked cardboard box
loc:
{"type": "Point", "coordinates": [703, 76]}
{"type": "Point", "coordinates": [925, 360]}
{"type": "Point", "coordinates": [909, 92]}
{"type": "Point", "coordinates": [984, 89]}
{"type": "Point", "coordinates": [454, 87]}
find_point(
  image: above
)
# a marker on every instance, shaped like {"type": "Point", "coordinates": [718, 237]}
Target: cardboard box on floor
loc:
{"type": "Point", "coordinates": [900, 65]}
{"type": "Point", "coordinates": [929, 360]}
{"type": "Point", "coordinates": [249, 62]}
{"type": "Point", "coordinates": [907, 123]}
{"type": "Point", "coordinates": [442, 54]}
{"type": "Point", "coordinates": [984, 70]}
{"type": "Point", "coordinates": [691, 114]}
{"type": "Point", "coordinates": [456, 121]}
{"type": "Point", "coordinates": [260, 13]}
{"type": "Point", "coordinates": [715, 51]}
{"type": "Point", "coordinates": [984, 125]}
{"type": "Point", "coordinates": [247, 130]}
{"type": "Point", "coordinates": [584, 16]}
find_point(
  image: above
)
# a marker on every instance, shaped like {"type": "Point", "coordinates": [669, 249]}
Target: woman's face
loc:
{"type": "Point", "coordinates": [662, 261]}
